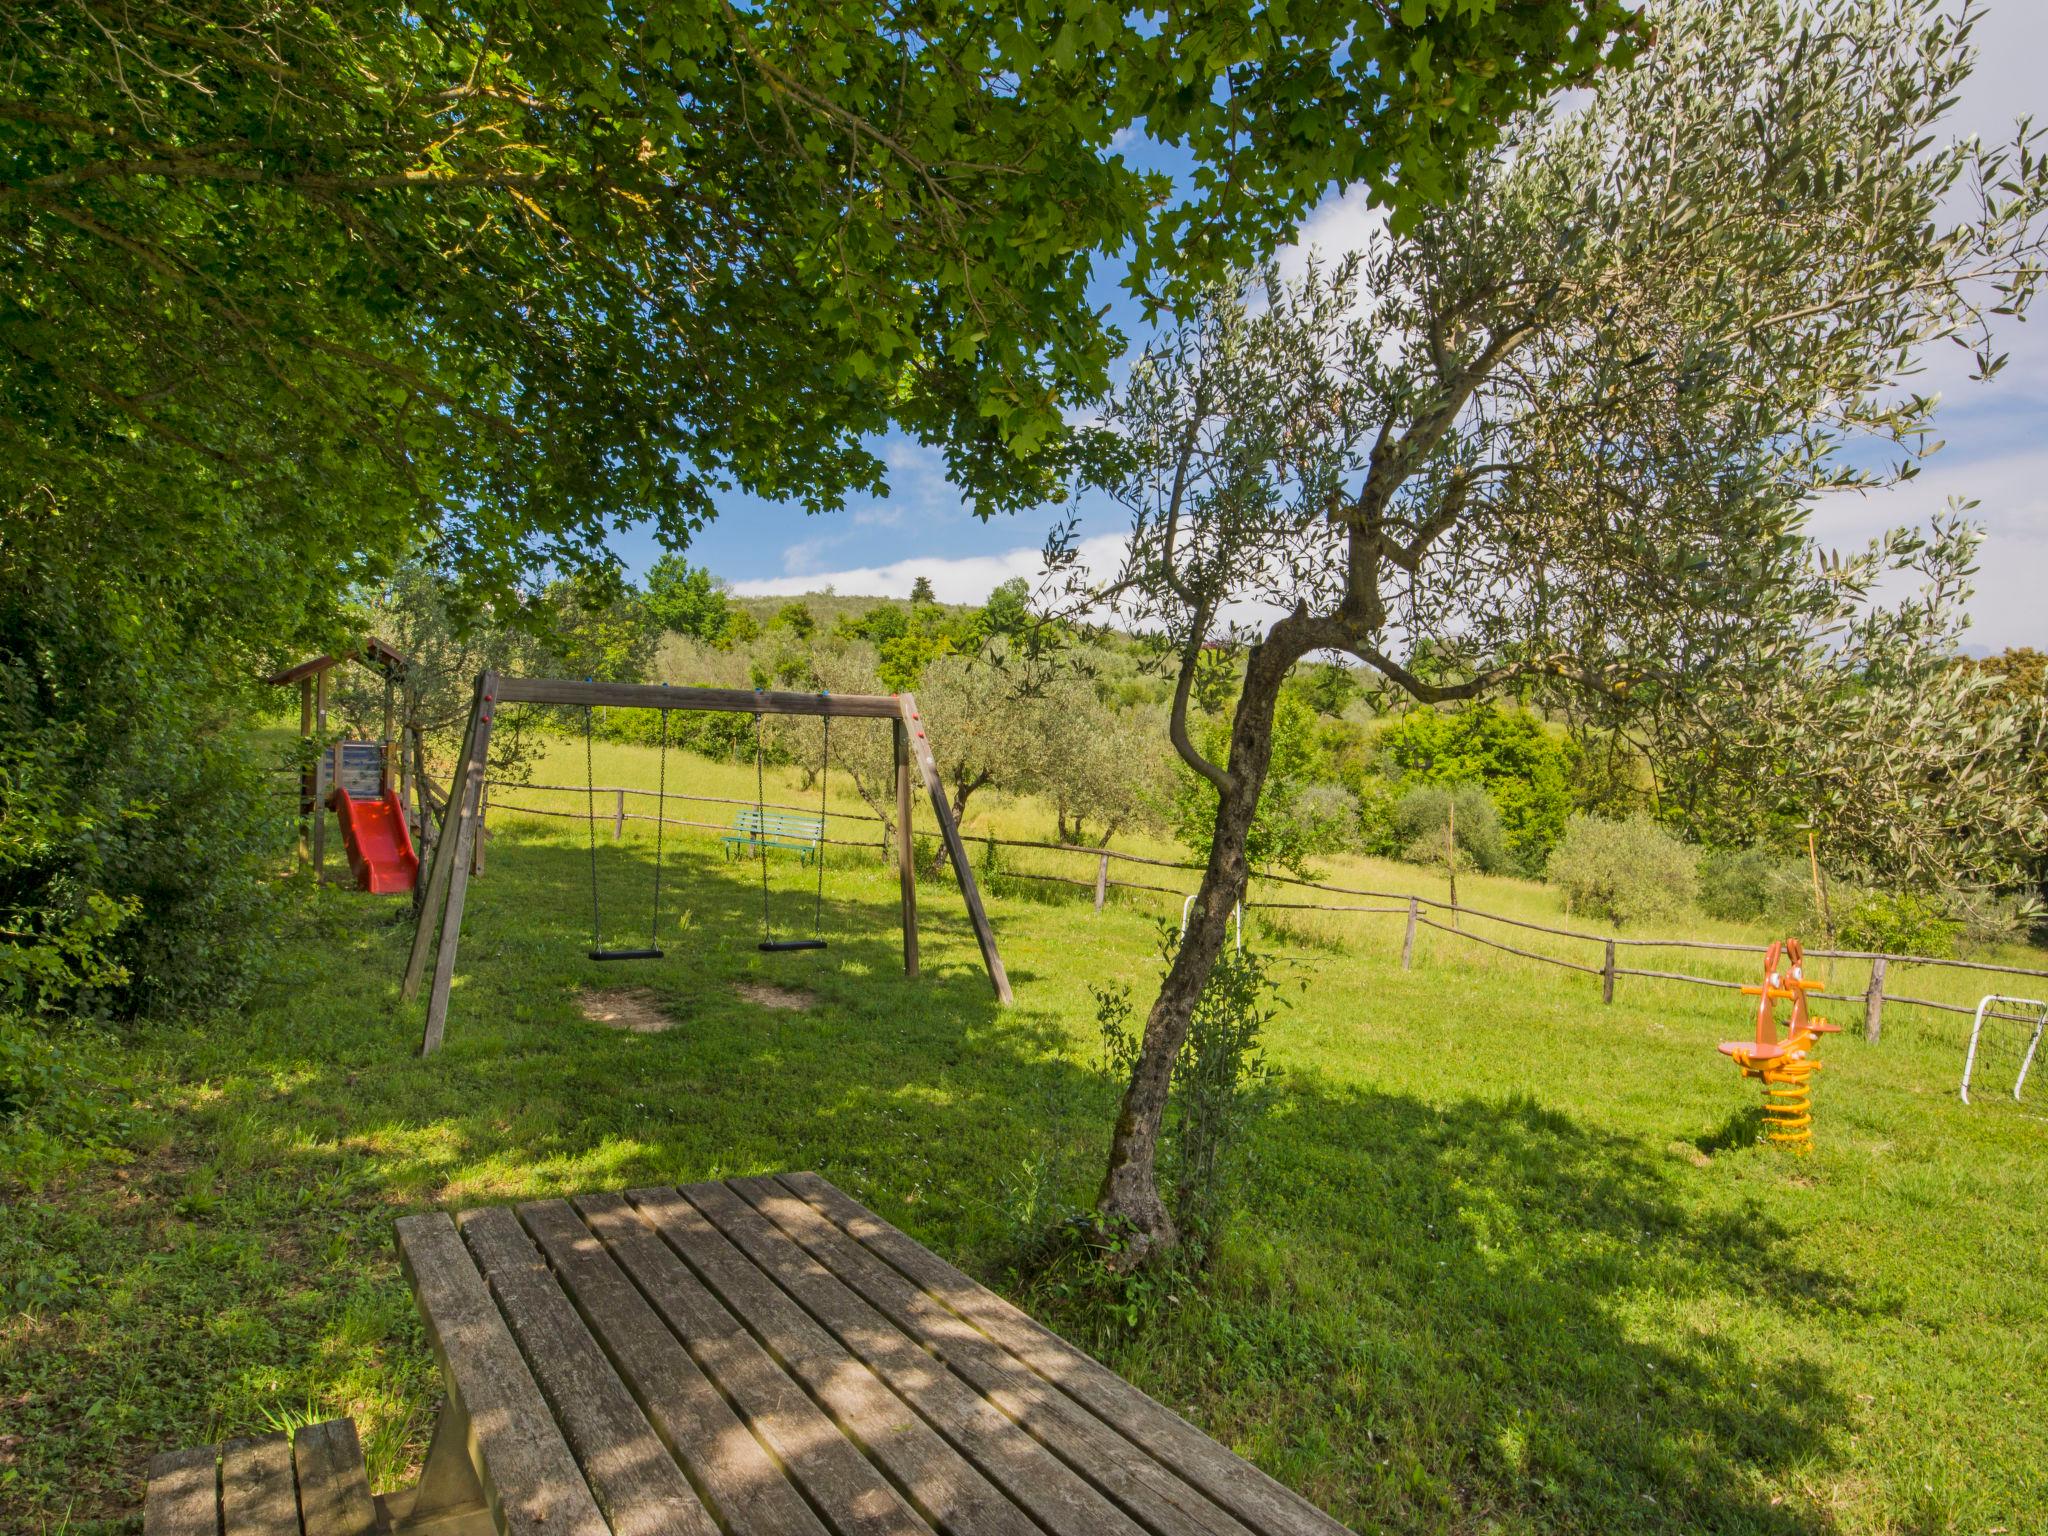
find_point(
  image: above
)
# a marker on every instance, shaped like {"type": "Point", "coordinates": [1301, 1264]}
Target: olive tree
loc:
{"type": "Point", "coordinates": [1562, 433]}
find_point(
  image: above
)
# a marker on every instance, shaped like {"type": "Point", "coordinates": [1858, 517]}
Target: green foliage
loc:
{"type": "Point", "coordinates": [1526, 772]}
{"type": "Point", "coordinates": [796, 618]}
{"type": "Point", "coordinates": [1628, 871]}
{"type": "Point", "coordinates": [1899, 923]}
{"type": "Point", "coordinates": [1757, 884]}
{"type": "Point", "coordinates": [688, 600]}
{"type": "Point", "coordinates": [921, 591]}
{"type": "Point", "coordinates": [1280, 837]}
{"type": "Point", "coordinates": [1008, 608]}
{"type": "Point", "coordinates": [1222, 1084]}
{"type": "Point", "coordinates": [1420, 823]}
{"type": "Point", "coordinates": [1327, 687]}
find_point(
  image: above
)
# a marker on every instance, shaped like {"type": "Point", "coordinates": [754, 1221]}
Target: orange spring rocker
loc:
{"type": "Point", "coordinates": [1786, 1066]}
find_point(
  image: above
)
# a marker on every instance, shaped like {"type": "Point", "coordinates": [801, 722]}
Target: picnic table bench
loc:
{"type": "Point", "coordinates": [753, 829]}
{"type": "Point", "coordinates": [765, 1355]}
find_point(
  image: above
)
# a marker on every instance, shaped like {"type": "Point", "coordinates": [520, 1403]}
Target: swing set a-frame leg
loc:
{"type": "Point", "coordinates": [448, 880]}
{"type": "Point", "coordinates": [928, 769]}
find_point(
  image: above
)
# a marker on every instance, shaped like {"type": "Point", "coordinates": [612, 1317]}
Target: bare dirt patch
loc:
{"type": "Point", "coordinates": [767, 995]}
{"type": "Point", "coordinates": [629, 1008]}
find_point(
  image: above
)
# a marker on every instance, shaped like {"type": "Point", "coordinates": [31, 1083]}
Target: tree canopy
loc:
{"type": "Point", "coordinates": [287, 288]}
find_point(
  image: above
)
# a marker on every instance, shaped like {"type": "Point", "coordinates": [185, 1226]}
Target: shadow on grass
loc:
{"type": "Point", "coordinates": [1424, 1320]}
{"type": "Point", "coordinates": [1429, 1317]}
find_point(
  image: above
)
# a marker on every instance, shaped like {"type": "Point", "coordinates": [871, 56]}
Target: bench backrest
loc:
{"type": "Point", "coordinates": [791, 824]}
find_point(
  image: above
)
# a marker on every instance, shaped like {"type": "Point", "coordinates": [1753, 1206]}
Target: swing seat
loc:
{"type": "Point", "coordinates": [777, 946]}
{"type": "Point", "coordinates": [626, 954]}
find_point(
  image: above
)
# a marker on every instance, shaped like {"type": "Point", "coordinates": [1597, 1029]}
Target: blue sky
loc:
{"type": "Point", "coordinates": [1996, 448]}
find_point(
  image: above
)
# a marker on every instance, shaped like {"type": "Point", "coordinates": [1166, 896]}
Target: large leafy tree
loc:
{"type": "Point", "coordinates": [1564, 431]}
{"type": "Point", "coordinates": [284, 285]}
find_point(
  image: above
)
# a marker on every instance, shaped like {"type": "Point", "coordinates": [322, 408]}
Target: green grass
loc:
{"type": "Point", "coordinates": [1508, 1260]}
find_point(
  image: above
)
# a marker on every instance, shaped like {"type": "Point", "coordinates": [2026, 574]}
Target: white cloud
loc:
{"type": "Point", "coordinates": [962, 579]}
{"type": "Point", "coordinates": [1341, 224]}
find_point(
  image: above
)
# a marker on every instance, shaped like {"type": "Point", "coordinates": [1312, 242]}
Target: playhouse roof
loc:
{"type": "Point", "coordinates": [374, 653]}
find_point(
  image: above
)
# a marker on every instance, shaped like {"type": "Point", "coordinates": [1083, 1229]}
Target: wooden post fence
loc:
{"type": "Point", "coordinates": [1101, 881]}
{"type": "Point", "coordinates": [1873, 1001]}
{"type": "Point", "coordinates": [1607, 975]}
{"type": "Point", "coordinates": [1408, 938]}
{"type": "Point", "coordinates": [619, 818]}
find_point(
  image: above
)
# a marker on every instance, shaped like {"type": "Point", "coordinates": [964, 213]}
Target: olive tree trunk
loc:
{"type": "Point", "coordinates": [1129, 1204]}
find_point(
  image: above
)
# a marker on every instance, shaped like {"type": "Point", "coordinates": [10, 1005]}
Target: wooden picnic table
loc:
{"type": "Point", "coordinates": [767, 1355]}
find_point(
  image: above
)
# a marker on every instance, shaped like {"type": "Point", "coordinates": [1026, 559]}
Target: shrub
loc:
{"type": "Point", "coordinates": [1420, 820]}
{"type": "Point", "coordinates": [1221, 1086]}
{"type": "Point", "coordinates": [1756, 884]}
{"type": "Point", "coordinates": [1900, 923]}
{"type": "Point", "coordinates": [1525, 772]}
{"type": "Point", "coordinates": [1626, 871]}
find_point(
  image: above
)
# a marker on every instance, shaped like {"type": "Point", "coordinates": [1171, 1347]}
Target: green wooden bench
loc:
{"type": "Point", "coordinates": [752, 829]}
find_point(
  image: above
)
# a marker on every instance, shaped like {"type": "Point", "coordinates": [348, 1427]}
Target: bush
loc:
{"type": "Point", "coordinates": [1221, 1086]}
{"type": "Point", "coordinates": [1626, 871]}
{"type": "Point", "coordinates": [1900, 923]}
{"type": "Point", "coordinates": [1420, 820]}
{"type": "Point", "coordinates": [1756, 884]}
{"type": "Point", "coordinates": [1526, 774]}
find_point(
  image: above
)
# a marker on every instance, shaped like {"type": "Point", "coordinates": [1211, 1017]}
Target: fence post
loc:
{"type": "Point", "coordinates": [1408, 939]}
{"type": "Point", "coordinates": [619, 817]}
{"type": "Point", "coordinates": [1873, 1001]}
{"type": "Point", "coordinates": [1101, 881]}
{"type": "Point", "coordinates": [483, 804]}
{"type": "Point", "coordinates": [1607, 975]}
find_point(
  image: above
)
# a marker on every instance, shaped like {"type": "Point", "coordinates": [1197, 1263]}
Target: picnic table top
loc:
{"type": "Point", "coordinates": [767, 1355]}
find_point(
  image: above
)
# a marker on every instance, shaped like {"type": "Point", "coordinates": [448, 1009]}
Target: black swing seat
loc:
{"type": "Point", "coordinates": [777, 946]}
{"type": "Point", "coordinates": [626, 954]}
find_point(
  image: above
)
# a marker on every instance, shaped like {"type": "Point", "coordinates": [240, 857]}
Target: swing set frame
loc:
{"type": "Point", "coordinates": [439, 913]}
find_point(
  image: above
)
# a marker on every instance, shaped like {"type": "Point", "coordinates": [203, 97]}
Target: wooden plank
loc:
{"type": "Point", "coordinates": [1150, 1493]}
{"type": "Point", "coordinates": [745, 701]}
{"type": "Point", "coordinates": [439, 869]}
{"type": "Point", "coordinates": [852, 1495]}
{"type": "Point", "coordinates": [257, 1493]}
{"type": "Point", "coordinates": [183, 1496]}
{"type": "Point", "coordinates": [906, 849]}
{"type": "Point", "coordinates": [529, 1478]}
{"type": "Point", "coordinates": [334, 1485]}
{"type": "Point", "coordinates": [319, 787]}
{"type": "Point", "coordinates": [727, 1465]}
{"type": "Point", "coordinates": [458, 837]}
{"type": "Point", "coordinates": [943, 1486]}
{"type": "Point", "coordinates": [1036, 1481]}
{"type": "Point", "coordinates": [984, 935]}
{"type": "Point", "coordinates": [1233, 1482]}
{"type": "Point", "coordinates": [636, 1482]}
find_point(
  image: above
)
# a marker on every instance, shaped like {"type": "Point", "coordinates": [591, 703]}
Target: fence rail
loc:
{"type": "Point", "coordinates": [1406, 903]}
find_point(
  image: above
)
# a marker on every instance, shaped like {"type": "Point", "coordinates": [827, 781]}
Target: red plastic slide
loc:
{"type": "Point", "coordinates": [379, 845]}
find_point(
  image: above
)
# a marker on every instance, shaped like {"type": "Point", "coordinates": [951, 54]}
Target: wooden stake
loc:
{"type": "Point", "coordinates": [1408, 938]}
{"type": "Point", "coordinates": [906, 851]}
{"type": "Point", "coordinates": [309, 775]}
{"type": "Point", "coordinates": [1101, 881]}
{"type": "Point", "coordinates": [1607, 975]}
{"type": "Point", "coordinates": [1451, 853]}
{"type": "Point", "coordinates": [1873, 1002]}
{"type": "Point", "coordinates": [320, 778]}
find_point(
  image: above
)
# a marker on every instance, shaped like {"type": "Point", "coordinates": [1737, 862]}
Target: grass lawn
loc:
{"type": "Point", "coordinates": [1507, 1260]}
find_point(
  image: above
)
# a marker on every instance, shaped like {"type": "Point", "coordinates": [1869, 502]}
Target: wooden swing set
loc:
{"type": "Point", "coordinates": [439, 913]}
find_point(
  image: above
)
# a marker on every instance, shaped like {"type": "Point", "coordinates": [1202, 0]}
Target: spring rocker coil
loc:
{"type": "Point", "coordinates": [1785, 1067]}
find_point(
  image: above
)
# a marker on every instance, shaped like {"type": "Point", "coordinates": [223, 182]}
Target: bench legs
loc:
{"type": "Point", "coordinates": [448, 1500]}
